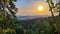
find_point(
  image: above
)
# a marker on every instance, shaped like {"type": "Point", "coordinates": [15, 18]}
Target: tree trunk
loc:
{"type": "Point", "coordinates": [59, 14]}
{"type": "Point", "coordinates": [59, 8]}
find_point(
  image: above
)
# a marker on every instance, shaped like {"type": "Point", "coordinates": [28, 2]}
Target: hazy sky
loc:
{"type": "Point", "coordinates": [29, 7]}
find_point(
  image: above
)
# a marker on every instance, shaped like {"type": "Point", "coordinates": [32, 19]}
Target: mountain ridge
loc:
{"type": "Point", "coordinates": [31, 17]}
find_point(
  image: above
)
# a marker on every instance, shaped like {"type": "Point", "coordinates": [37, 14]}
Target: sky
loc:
{"type": "Point", "coordinates": [30, 8]}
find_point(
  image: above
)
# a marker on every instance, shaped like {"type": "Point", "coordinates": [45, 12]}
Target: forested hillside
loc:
{"type": "Point", "coordinates": [38, 26]}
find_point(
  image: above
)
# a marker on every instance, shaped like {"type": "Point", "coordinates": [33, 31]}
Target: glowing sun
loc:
{"type": "Point", "coordinates": [40, 8]}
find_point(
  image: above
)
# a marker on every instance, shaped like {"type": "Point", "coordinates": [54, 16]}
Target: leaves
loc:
{"type": "Point", "coordinates": [7, 10]}
{"type": "Point", "coordinates": [7, 0]}
{"type": "Point", "coordinates": [54, 8]}
{"type": "Point", "coordinates": [11, 0]}
{"type": "Point", "coordinates": [15, 0]}
{"type": "Point", "coordinates": [47, 1]}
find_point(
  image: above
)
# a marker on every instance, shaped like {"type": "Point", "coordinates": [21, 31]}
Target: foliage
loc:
{"type": "Point", "coordinates": [7, 14]}
{"type": "Point", "coordinates": [54, 7]}
{"type": "Point", "coordinates": [36, 26]}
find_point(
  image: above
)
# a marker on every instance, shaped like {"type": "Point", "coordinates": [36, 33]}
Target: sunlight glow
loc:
{"type": "Point", "coordinates": [40, 8]}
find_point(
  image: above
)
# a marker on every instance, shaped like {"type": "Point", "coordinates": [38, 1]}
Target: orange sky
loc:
{"type": "Point", "coordinates": [32, 8]}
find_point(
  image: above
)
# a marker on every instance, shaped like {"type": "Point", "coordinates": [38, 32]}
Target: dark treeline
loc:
{"type": "Point", "coordinates": [37, 26]}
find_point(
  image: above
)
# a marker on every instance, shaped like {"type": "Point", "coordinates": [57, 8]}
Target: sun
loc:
{"type": "Point", "coordinates": [40, 8]}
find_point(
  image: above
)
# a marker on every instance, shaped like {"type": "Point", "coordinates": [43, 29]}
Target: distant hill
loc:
{"type": "Point", "coordinates": [31, 17]}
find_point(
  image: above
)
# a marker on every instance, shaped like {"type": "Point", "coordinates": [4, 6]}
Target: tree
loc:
{"type": "Point", "coordinates": [59, 7]}
{"type": "Point", "coordinates": [7, 14]}
{"type": "Point", "coordinates": [54, 8]}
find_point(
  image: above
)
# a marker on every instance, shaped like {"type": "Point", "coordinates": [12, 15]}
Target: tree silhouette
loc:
{"type": "Point", "coordinates": [54, 8]}
{"type": "Point", "coordinates": [59, 7]}
{"type": "Point", "coordinates": [7, 14]}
